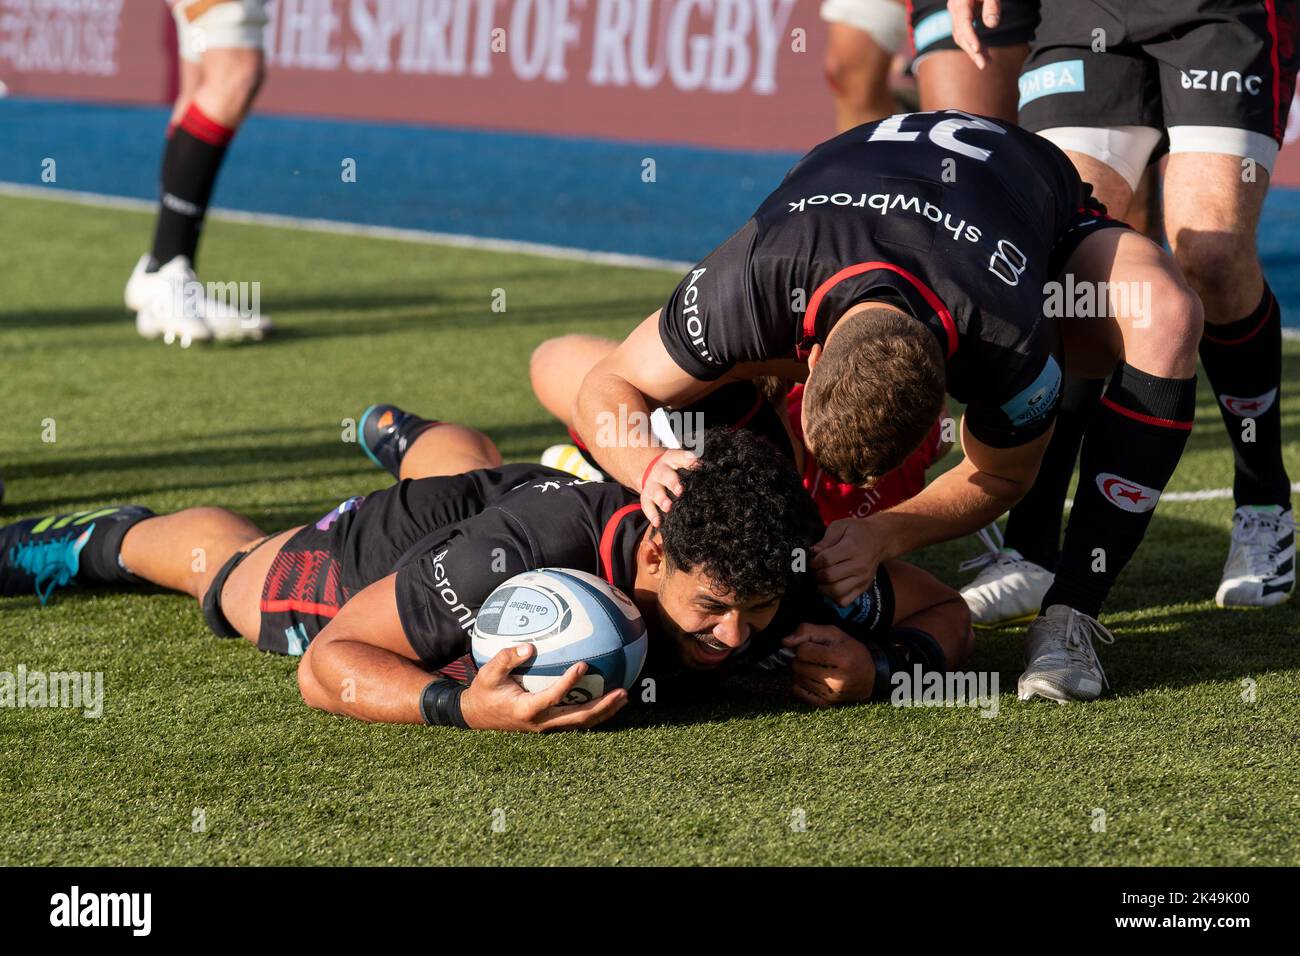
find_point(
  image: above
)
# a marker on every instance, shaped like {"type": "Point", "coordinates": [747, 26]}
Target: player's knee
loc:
{"type": "Point", "coordinates": [844, 75]}
{"type": "Point", "coordinates": [313, 695]}
{"type": "Point", "coordinates": [237, 82]}
{"type": "Point", "coordinates": [1213, 263]}
{"type": "Point", "coordinates": [541, 362]}
{"type": "Point", "coordinates": [553, 383]}
{"type": "Point", "coordinates": [1173, 323]}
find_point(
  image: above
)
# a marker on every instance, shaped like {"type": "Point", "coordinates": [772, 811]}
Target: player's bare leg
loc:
{"type": "Point", "coordinates": [449, 449]}
{"type": "Point", "coordinates": [1213, 205]}
{"type": "Point", "coordinates": [182, 551]}
{"type": "Point", "coordinates": [230, 83]}
{"type": "Point", "coordinates": [1146, 340]}
{"type": "Point", "coordinates": [1145, 211]}
{"type": "Point", "coordinates": [191, 78]}
{"type": "Point", "coordinates": [559, 365]}
{"type": "Point", "coordinates": [857, 71]}
{"type": "Point", "coordinates": [557, 368]}
{"type": "Point", "coordinates": [948, 79]}
{"type": "Point", "coordinates": [127, 545]}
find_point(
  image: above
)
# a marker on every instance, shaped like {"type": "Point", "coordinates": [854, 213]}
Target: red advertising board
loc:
{"type": "Point", "coordinates": [736, 73]}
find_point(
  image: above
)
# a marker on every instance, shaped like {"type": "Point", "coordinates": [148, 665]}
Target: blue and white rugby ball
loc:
{"type": "Point", "coordinates": [568, 616]}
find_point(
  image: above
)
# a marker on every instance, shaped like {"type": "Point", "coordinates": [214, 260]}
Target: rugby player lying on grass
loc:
{"type": "Point", "coordinates": [379, 595]}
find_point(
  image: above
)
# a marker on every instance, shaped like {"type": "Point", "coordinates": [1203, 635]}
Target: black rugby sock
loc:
{"type": "Point", "coordinates": [1129, 453]}
{"type": "Point", "coordinates": [1034, 525]}
{"type": "Point", "coordinates": [1243, 361]}
{"type": "Point", "coordinates": [191, 161]}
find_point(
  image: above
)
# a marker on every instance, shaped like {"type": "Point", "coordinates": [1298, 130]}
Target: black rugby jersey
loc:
{"type": "Point", "coordinates": [957, 219]}
{"type": "Point", "coordinates": [452, 540]}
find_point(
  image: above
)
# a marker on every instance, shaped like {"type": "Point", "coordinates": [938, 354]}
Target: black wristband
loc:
{"type": "Point", "coordinates": [880, 689]}
{"type": "Point", "coordinates": [903, 649]}
{"type": "Point", "coordinates": [440, 704]}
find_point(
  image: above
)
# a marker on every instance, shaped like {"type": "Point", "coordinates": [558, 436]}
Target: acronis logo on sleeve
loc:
{"type": "Point", "coordinates": [1038, 399]}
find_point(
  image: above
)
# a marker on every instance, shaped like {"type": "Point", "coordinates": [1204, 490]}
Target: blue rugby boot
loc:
{"type": "Point", "coordinates": [41, 554]}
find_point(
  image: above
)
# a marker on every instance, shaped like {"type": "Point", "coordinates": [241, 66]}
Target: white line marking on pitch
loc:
{"type": "Point", "coordinates": [425, 237]}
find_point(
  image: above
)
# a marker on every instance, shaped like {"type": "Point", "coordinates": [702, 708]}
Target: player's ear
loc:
{"type": "Point", "coordinates": [652, 554]}
{"type": "Point", "coordinates": [814, 356]}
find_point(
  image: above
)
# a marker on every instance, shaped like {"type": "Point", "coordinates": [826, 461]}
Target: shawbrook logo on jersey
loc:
{"type": "Point", "coordinates": [75, 909]}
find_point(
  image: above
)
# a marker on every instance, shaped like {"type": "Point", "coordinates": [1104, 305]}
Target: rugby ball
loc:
{"type": "Point", "coordinates": [568, 616]}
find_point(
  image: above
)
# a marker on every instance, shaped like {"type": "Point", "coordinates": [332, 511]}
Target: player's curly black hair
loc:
{"type": "Point", "coordinates": [743, 517]}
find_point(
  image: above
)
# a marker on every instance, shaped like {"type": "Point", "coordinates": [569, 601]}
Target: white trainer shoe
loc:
{"type": "Point", "coordinates": [1260, 570]}
{"type": "Point", "coordinates": [136, 287]}
{"type": "Point", "coordinates": [569, 458]}
{"type": "Point", "coordinates": [1009, 589]}
{"type": "Point", "coordinates": [1060, 662]}
{"type": "Point", "coordinates": [171, 303]}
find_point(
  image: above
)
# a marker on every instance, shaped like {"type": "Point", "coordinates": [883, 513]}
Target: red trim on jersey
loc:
{"type": "Point", "coordinates": [1248, 336]}
{"type": "Point", "coordinates": [201, 126]}
{"type": "Point", "coordinates": [607, 541]}
{"type": "Point", "coordinates": [1146, 419]}
{"type": "Point", "coordinates": [293, 604]}
{"type": "Point", "coordinates": [932, 300]}
{"type": "Point", "coordinates": [1278, 130]}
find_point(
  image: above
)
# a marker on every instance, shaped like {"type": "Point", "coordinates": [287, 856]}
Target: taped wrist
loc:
{"type": "Point", "coordinates": [902, 650]}
{"type": "Point", "coordinates": [440, 704]}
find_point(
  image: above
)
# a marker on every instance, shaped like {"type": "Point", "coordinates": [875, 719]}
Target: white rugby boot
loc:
{"type": "Point", "coordinates": [569, 458]}
{"type": "Point", "coordinates": [169, 303]}
{"type": "Point", "coordinates": [1060, 661]}
{"type": "Point", "coordinates": [1009, 589]}
{"type": "Point", "coordinates": [137, 286]}
{"type": "Point", "coordinates": [1260, 570]}
{"type": "Point", "coordinates": [172, 304]}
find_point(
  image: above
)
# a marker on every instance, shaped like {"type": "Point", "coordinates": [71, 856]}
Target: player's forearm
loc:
{"type": "Point", "coordinates": [612, 418]}
{"type": "Point", "coordinates": [363, 681]}
{"type": "Point", "coordinates": [957, 503]}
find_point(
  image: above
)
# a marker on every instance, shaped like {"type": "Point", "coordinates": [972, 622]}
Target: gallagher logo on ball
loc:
{"type": "Point", "coordinates": [1127, 495]}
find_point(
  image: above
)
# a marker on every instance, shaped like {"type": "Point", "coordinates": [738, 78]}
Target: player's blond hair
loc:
{"type": "Point", "coordinates": [875, 393]}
